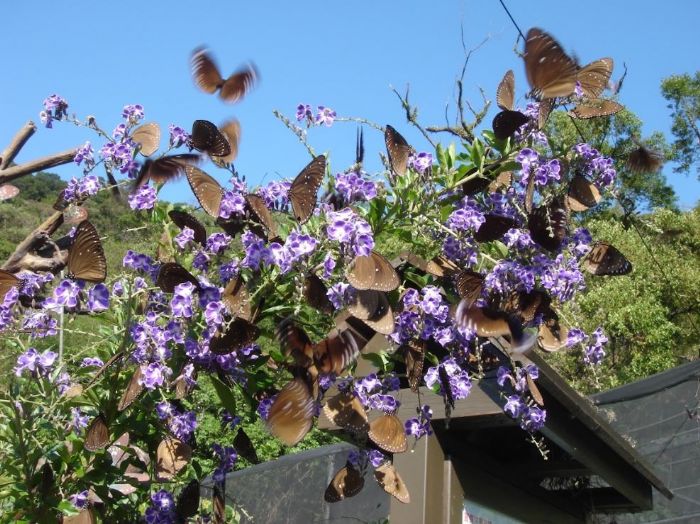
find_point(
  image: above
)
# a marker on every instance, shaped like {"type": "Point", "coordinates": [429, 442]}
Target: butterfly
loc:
{"type": "Point", "coordinates": [183, 219]}
{"type": "Point", "coordinates": [8, 191]}
{"type": "Point", "coordinates": [446, 389]}
{"type": "Point", "coordinates": [582, 194]}
{"type": "Point", "coordinates": [236, 299]}
{"type": "Point", "coordinates": [218, 503]}
{"type": "Point", "coordinates": [207, 138]}
{"type": "Point", "coordinates": [291, 414]}
{"type": "Point", "coordinates": [208, 191]}
{"type": "Point", "coordinates": [391, 482]}
{"type": "Point", "coordinates": [164, 169]}
{"type": "Point", "coordinates": [373, 272]}
{"type": "Point", "coordinates": [7, 282]}
{"type": "Point", "coordinates": [505, 94]}
{"type": "Point", "coordinates": [493, 227]}
{"type": "Point", "coordinates": [605, 259]}
{"type": "Point", "coordinates": [548, 224]}
{"type": "Point", "coordinates": [551, 335]}
{"type": "Point", "coordinates": [316, 294]}
{"type": "Point", "coordinates": [593, 108]}
{"type": "Point", "coordinates": [147, 136]}
{"type": "Point", "coordinates": [97, 434]}
{"type": "Point", "coordinates": [85, 516]}
{"type": "Point", "coordinates": [171, 456]}
{"type": "Point", "coordinates": [237, 335]}
{"type": "Point", "coordinates": [398, 150]}
{"type": "Point", "coordinates": [208, 78]}
{"type": "Point", "coordinates": [550, 71]}
{"type": "Point", "coordinates": [643, 160]}
{"type": "Point", "coordinates": [534, 390]}
{"type": "Point", "coordinates": [232, 132]}
{"type": "Point", "coordinates": [346, 483]}
{"type": "Point", "coordinates": [373, 308]}
{"type": "Point", "coordinates": [594, 77]}
{"type": "Point", "coordinates": [86, 257]}
{"type": "Point", "coordinates": [187, 503]}
{"type": "Point", "coordinates": [346, 411]}
{"type": "Point", "coordinates": [171, 274]}
{"type": "Point", "coordinates": [487, 322]}
{"type": "Point", "coordinates": [527, 305]}
{"type": "Point", "coordinates": [387, 432]}
{"type": "Point", "coordinates": [304, 189]}
{"type": "Point", "coordinates": [469, 285]}
{"type": "Point", "coordinates": [259, 212]}
{"type": "Point", "coordinates": [440, 266]}
{"type": "Point", "coordinates": [244, 447]}
{"type": "Point", "coordinates": [507, 122]}
{"type": "Point", "coordinates": [414, 358]}
{"type": "Point", "coordinates": [132, 391]}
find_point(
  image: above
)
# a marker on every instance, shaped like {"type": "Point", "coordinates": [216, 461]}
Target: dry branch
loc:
{"type": "Point", "coordinates": [18, 141]}
{"type": "Point", "coordinates": [6, 175]}
{"type": "Point", "coordinates": [37, 238]}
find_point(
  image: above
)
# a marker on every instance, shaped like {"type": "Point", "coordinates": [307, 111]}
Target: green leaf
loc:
{"type": "Point", "coordinates": [225, 395]}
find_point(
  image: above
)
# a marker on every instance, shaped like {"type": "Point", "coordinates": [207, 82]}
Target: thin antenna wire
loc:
{"type": "Point", "coordinates": [512, 19]}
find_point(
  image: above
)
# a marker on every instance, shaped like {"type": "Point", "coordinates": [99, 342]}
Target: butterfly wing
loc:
{"type": "Point", "coordinates": [171, 274]}
{"type": "Point", "coordinates": [172, 456]}
{"type": "Point", "coordinates": [316, 294]}
{"type": "Point", "coordinates": [97, 434]}
{"type": "Point", "coordinates": [261, 214]}
{"type": "Point", "coordinates": [244, 447]}
{"type": "Point", "coordinates": [505, 95]}
{"type": "Point", "coordinates": [208, 191]}
{"type": "Point", "coordinates": [187, 503]}
{"type": "Point", "coordinates": [469, 285]}
{"type": "Point", "coordinates": [493, 228]}
{"type": "Point", "coordinates": [291, 414]}
{"type": "Point", "coordinates": [148, 137]}
{"type": "Point", "coordinates": [7, 282]}
{"type": "Point", "coordinates": [414, 357]}
{"type": "Point", "coordinates": [86, 257]}
{"type": "Point", "coordinates": [596, 108]}
{"type": "Point", "coordinates": [183, 219]}
{"type": "Point", "coordinates": [207, 138]}
{"type": "Point", "coordinates": [348, 482]}
{"type": "Point", "coordinates": [385, 276]}
{"type": "Point", "coordinates": [550, 71]}
{"type": "Point", "coordinates": [346, 411]}
{"type": "Point", "coordinates": [232, 132]}
{"type": "Point", "coordinates": [582, 194]}
{"type": "Point", "coordinates": [595, 76]}
{"type": "Point", "coordinates": [335, 353]}
{"type": "Point", "coordinates": [507, 122]}
{"type": "Point", "coordinates": [239, 84]}
{"type": "Point", "coordinates": [388, 433]}
{"type": "Point", "coordinates": [236, 298]}
{"type": "Point", "coordinates": [132, 391]}
{"type": "Point", "coordinates": [205, 72]}
{"type": "Point", "coordinates": [606, 259]}
{"type": "Point", "coordinates": [390, 481]}
{"type": "Point", "coordinates": [239, 334]}
{"type": "Point", "coordinates": [398, 150]}
{"type": "Point", "coordinates": [303, 191]}
{"type": "Point", "coordinates": [548, 224]}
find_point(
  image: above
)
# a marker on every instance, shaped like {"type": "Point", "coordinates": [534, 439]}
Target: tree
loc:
{"type": "Point", "coordinates": [683, 94]}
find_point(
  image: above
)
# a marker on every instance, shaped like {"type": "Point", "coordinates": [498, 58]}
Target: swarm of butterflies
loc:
{"type": "Point", "coordinates": [521, 319]}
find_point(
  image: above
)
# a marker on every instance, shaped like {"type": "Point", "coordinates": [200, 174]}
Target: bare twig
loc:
{"type": "Point", "coordinates": [299, 132]}
{"type": "Point", "coordinates": [18, 141]}
{"type": "Point", "coordinates": [412, 114]}
{"type": "Point", "coordinates": [360, 120]}
{"type": "Point", "coordinates": [56, 159]}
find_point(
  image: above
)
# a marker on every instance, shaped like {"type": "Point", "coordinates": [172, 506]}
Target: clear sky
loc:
{"type": "Point", "coordinates": [103, 55]}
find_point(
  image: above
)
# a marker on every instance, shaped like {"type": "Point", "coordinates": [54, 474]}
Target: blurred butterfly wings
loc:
{"type": "Point", "coordinates": [550, 71]}
{"type": "Point", "coordinates": [238, 334]}
{"type": "Point", "coordinates": [469, 285]}
{"type": "Point", "coordinates": [398, 150]}
{"type": "Point", "coordinates": [86, 257]}
{"type": "Point", "coordinates": [644, 160]}
{"type": "Point", "coordinates": [231, 130]}
{"type": "Point", "coordinates": [244, 447]}
{"type": "Point", "coordinates": [336, 353]}
{"type": "Point", "coordinates": [486, 322]}
{"type": "Point", "coordinates": [291, 414]}
{"type": "Point", "coordinates": [594, 77]}
{"type": "Point", "coordinates": [391, 482]}
{"type": "Point", "coordinates": [316, 294]}
{"type": "Point", "coordinates": [164, 169]}
{"type": "Point", "coordinates": [414, 358]}
{"type": "Point", "coordinates": [346, 483]}
{"type": "Point", "coordinates": [208, 78]}
{"type": "Point", "coordinates": [596, 108]}
{"type": "Point", "coordinates": [304, 189]}
{"type": "Point", "coordinates": [236, 298]}
{"type": "Point", "coordinates": [551, 335]}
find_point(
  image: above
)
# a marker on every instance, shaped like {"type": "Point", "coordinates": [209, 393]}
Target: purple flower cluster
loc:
{"type": "Point", "coordinates": [518, 405]}
{"type": "Point", "coordinates": [233, 203]}
{"type": "Point", "coordinates": [295, 248]}
{"type": "Point", "coordinates": [78, 190]}
{"type": "Point", "coordinates": [346, 227]}
{"type": "Point", "coordinates": [544, 171]}
{"type": "Point", "coordinates": [7, 313]}
{"type": "Point", "coordinates": [595, 352]}
{"type": "Point", "coordinates": [420, 426]}
{"type": "Point", "coordinates": [55, 108]}
{"type": "Point", "coordinates": [65, 294]}
{"type": "Point", "coordinates": [227, 459]}
{"type": "Point", "coordinates": [98, 298]}
{"type": "Point", "coordinates": [358, 458]}
{"type": "Point", "coordinates": [591, 163]}
{"type": "Point", "coordinates": [354, 186]}
{"type": "Point", "coordinates": [184, 238]}
{"type": "Point", "coordinates": [340, 294]}
{"type": "Point", "coordinates": [324, 115]}
{"type": "Point", "coordinates": [38, 364]}
{"type": "Point", "coordinates": [162, 509]}
{"type": "Point", "coordinates": [420, 162]}
{"type": "Point", "coordinates": [562, 278]}
{"type": "Point", "coordinates": [178, 136]}
{"type": "Point", "coordinates": [39, 324]}
{"type": "Point", "coordinates": [133, 113]}
{"type": "Point", "coordinates": [468, 217]}
{"type": "Point", "coordinates": [79, 500]}
{"type": "Point", "coordinates": [85, 154]}
{"type": "Point", "coordinates": [180, 424]}
{"type": "Point", "coordinates": [78, 420]}
{"type": "Point", "coordinates": [460, 383]}
{"type": "Point", "coordinates": [275, 194]}
{"type": "Point", "coordinates": [217, 243]}
{"type": "Point", "coordinates": [143, 198]}
{"type": "Point", "coordinates": [120, 155]}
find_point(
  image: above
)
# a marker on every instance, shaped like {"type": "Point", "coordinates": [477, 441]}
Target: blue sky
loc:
{"type": "Point", "coordinates": [103, 55]}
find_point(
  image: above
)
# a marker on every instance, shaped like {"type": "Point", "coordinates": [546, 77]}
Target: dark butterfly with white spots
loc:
{"type": "Point", "coordinates": [97, 434]}
{"type": "Point", "coordinates": [304, 189]}
{"type": "Point", "coordinates": [373, 272]}
{"type": "Point", "coordinates": [171, 274]}
{"type": "Point", "coordinates": [605, 259]}
{"type": "Point", "coordinates": [207, 138]}
{"type": "Point", "coordinates": [182, 219]}
{"type": "Point", "coordinates": [387, 432]}
{"type": "Point", "coordinates": [346, 411]}
{"type": "Point", "coordinates": [550, 71]}
{"type": "Point", "coordinates": [346, 483]}
{"type": "Point", "coordinates": [397, 149]}
{"type": "Point", "coordinates": [391, 482]}
{"type": "Point", "coordinates": [86, 257]}
{"type": "Point", "coordinates": [208, 191]}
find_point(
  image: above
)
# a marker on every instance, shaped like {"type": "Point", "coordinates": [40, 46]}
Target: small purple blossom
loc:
{"type": "Point", "coordinates": [304, 112]}
{"type": "Point", "coordinates": [79, 500]}
{"type": "Point", "coordinates": [85, 154]}
{"type": "Point", "coordinates": [78, 420]}
{"type": "Point", "coordinates": [421, 162]}
{"type": "Point", "coordinates": [132, 113]}
{"type": "Point", "coordinates": [324, 116]}
{"type": "Point", "coordinates": [98, 298]}
{"type": "Point", "coordinates": [353, 186]}
{"type": "Point", "coordinates": [178, 136]}
{"type": "Point", "coordinates": [233, 203]}
{"type": "Point", "coordinates": [143, 198]}
{"type": "Point", "coordinates": [55, 108]}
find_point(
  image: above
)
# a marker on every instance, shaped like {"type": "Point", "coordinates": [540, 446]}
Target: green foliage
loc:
{"type": "Point", "coordinates": [683, 95]}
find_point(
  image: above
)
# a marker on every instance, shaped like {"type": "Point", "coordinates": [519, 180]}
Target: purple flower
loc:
{"type": "Point", "coordinates": [162, 509]}
{"type": "Point", "coordinates": [375, 457]}
{"type": "Point", "coordinates": [79, 500]}
{"type": "Point", "coordinates": [232, 203]}
{"type": "Point", "coordinates": [154, 375]}
{"type": "Point", "coordinates": [39, 324]}
{"type": "Point", "coordinates": [218, 242]}
{"type": "Point", "coordinates": [348, 228]}
{"type": "Point", "coordinates": [178, 136]}
{"type": "Point", "coordinates": [275, 194]}
{"type": "Point", "coordinates": [324, 115]}
{"type": "Point", "coordinates": [304, 113]}
{"type": "Point", "coordinates": [419, 427]}
{"type": "Point", "coordinates": [36, 363]}
{"type": "Point", "coordinates": [184, 237]}
{"type": "Point", "coordinates": [182, 425]}
{"type": "Point", "coordinates": [164, 410]}
{"type": "Point", "coordinates": [467, 218]}
{"type": "Point", "coordinates": [55, 107]}
{"type": "Point", "coordinates": [65, 294]}
{"type": "Point", "coordinates": [533, 419]}
{"type": "Point", "coordinates": [340, 294]}
{"type": "Point", "coordinates": [214, 314]}
{"type": "Point", "coordinates": [92, 362]}
{"type": "Point", "coordinates": [514, 406]}
{"type": "Point", "coordinates": [85, 154]}
{"type": "Point", "coordinates": [595, 352]}
{"type": "Point", "coordinates": [353, 186]}
{"type": "Point", "coordinates": [78, 420]}
{"type": "Point", "coordinates": [98, 298]}
{"type": "Point", "coordinates": [143, 198]}
{"type": "Point", "coordinates": [264, 407]}
{"type": "Point", "coordinates": [227, 458]}
{"type": "Point", "coordinates": [421, 161]}
{"type": "Point", "coordinates": [133, 113]}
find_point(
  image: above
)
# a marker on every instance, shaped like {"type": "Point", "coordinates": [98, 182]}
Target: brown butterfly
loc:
{"type": "Point", "coordinates": [8, 191]}
{"type": "Point", "coordinates": [446, 391]}
{"type": "Point", "coordinates": [291, 414]}
{"type": "Point", "coordinates": [171, 456]}
{"type": "Point", "coordinates": [548, 224]}
{"type": "Point", "coordinates": [507, 122]}
{"type": "Point", "coordinates": [244, 447]}
{"type": "Point", "coordinates": [183, 219]}
{"type": "Point", "coordinates": [304, 189]}
{"type": "Point", "coordinates": [543, 112]}
{"type": "Point", "coordinates": [594, 77]}
{"type": "Point", "coordinates": [165, 168]}
{"type": "Point", "coordinates": [171, 274]}
{"type": "Point", "coordinates": [238, 334]}
{"type": "Point", "coordinates": [187, 503]}
{"type": "Point", "coordinates": [469, 285]}
{"type": "Point", "coordinates": [208, 191]}
{"type": "Point", "coordinates": [346, 411]}
{"type": "Point", "coordinates": [605, 259]}
{"type": "Point", "coordinates": [391, 482]}
{"type": "Point", "coordinates": [494, 227]}
{"type": "Point", "coordinates": [97, 434]}
{"type": "Point", "coordinates": [132, 391]}
{"type": "Point", "coordinates": [414, 358]}
{"type": "Point", "coordinates": [527, 305]}
{"type": "Point", "coordinates": [596, 108]}
{"type": "Point", "coordinates": [218, 504]}
{"type": "Point", "coordinates": [486, 322]}
{"type": "Point", "coordinates": [336, 352]}
{"type": "Point", "coordinates": [295, 342]}
{"type": "Point", "coordinates": [373, 272]}
{"type": "Point", "coordinates": [551, 335]}
{"type": "Point", "coordinates": [7, 282]}
{"type": "Point", "coordinates": [232, 132]}
{"type": "Point", "coordinates": [398, 150]}
{"type": "Point", "coordinates": [643, 160]}
{"type": "Point", "coordinates": [147, 136]}
{"type": "Point", "coordinates": [347, 483]}
{"type": "Point", "coordinates": [534, 390]}
{"type": "Point", "coordinates": [86, 516]}
{"type": "Point", "coordinates": [505, 94]}
{"type": "Point", "coordinates": [259, 212]}
{"type": "Point", "coordinates": [208, 78]}
{"type": "Point", "coordinates": [236, 298]}
{"type": "Point", "coordinates": [86, 258]}
{"type": "Point", "coordinates": [440, 266]}
{"type": "Point", "coordinates": [382, 320]}
{"type": "Point", "coordinates": [316, 294]}
{"type": "Point", "coordinates": [582, 194]}
{"type": "Point", "coordinates": [207, 138]}
{"type": "Point", "coordinates": [550, 71]}
{"type": "Point", "coordinates": [387, 432]}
